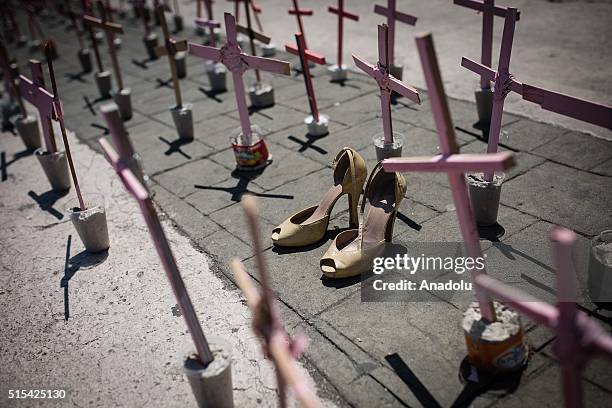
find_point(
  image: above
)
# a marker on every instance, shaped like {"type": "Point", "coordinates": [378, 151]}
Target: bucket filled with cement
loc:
{"type": "Point", "coordinates": [484, 197]}
{"type": "Point", "coordinates": [212, 385]}
{"type": "Point", "coordinates": [55, 166]}
{"type": "Point", "coordinates": [250, 153]}
{"type": "Point", "coordinates": [600, 270]}
{"type": "Point", "coordinates": [387, 150]}
{"type": "Point", "coordinates": [90, 223]}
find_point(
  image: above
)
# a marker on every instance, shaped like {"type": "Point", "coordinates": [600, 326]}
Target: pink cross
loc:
{"type": "Point", "coordinates": [451, 162]}
{"type": "Point", "coordinates": [170, 48]}
{"type": "Point", "coordinates": [306, 55]}
{"type": "Point", "coordinates": [392, 14]}
{"type": "Point", "coordinates": [134, 186]}
{"type": "Point", "coordinates": [341, 16]}
{"type": "Point", "coordinates": [298, 13]}
{"type": "Point", "coordinates": [578, 337]}
{"type": "Point", "coordinates": [489, 10]}
{"type": "Point", "coordinates": [267, 325]}
{"type": "Point", "coordinates": [34, 92]}
{"type": "Point", "coordinates": [253, 35]}
{"type": "Point", "coordinates": [211, 24]}
{"type": "Point", "coordinates": [140, 5]}
{"type": "Point", "coordinates": [237, 62]}
{"type": "Point", "coordinates": [386, 82]}
{"type": "Point", "coordinates": [250, 4]}
{"type": "Point", "coordinates": [110, 29]}
{"type": "Point", "coordinates": [591, 112]}
{"type": "Point", "coordinates": [93, 41]}
{"type": "Point", "coordinates": [9, 81]}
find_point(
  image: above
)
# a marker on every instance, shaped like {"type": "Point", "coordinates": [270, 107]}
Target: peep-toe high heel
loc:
{"type": "Point", "coordinates": [310, 224]}
{"type": "Point", "coordinates": [353, 251]}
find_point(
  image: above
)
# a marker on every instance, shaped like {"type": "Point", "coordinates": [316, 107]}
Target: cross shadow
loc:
{"type": "Point", "coordinates": [143, 63]}
{"type": "Point", "coordinates": [309, 143]}
{"type": "Point", "coordinates": [345, 83]}
{"type": "Point", "coordinates": [175, 146]}
{"type": "Point", "coordinates": [408, 221]}
{"type": "Point", "coordinates": [89, 104]}
{"type": "Point", "coordinates": [477, 383]}
{"type": "Point", "coordinates": [241, 189]}
{"type": "Point", "coordinates": [76, 77]}
{"type": "Point", "coordinates": [163, 83]}
{"type": "Point", "coordinates": [482, 133]}
{"type": "Point", "coordinates": [4, 164]}
{"type": "Point", "coordinates": [409, 378]}
{"type": "Point", "coordinates": [46, 201]}
{"type": "Point", "coordinates": [102, 128]}
{"type": "Point", "coordinates": [82, 260]}
{"type": "Point", "coordinates": [254, 109]}
{"type": "Point", "coordinates": [211, 94]}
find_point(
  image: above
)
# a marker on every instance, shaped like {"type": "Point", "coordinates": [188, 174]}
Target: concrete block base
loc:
{"type": "Point", "coordinates": [268, 50]}
{"type": "Point", "coordinates": [217, 76]}
{"type": "Point", "coordinates": [55, 166]}
{"type": "Point", "coordinates": [319, 128]}
{"type": "Point", "coordinates": [183, 121]}
{"type": "Point", "coordinates": [29, 131]}
{"type": "Point", "coordinates": [150, 42]}
{"type": "Point", "coordinates": [484, 197]}
{"type": "Point", "coordinates": [484, 104]}
{"type": "Point", "coordinates": [338, 74]}
{"type": "Point", "coordinates": [387, 150]}
{"type": "Point", "coordinates": [103, 81]}
{"type": "Point", "coordinates": [85, 60]}
{"type": "Point", "coordinates": [261, 95]}
{"type": "Point", "coordinates": [91, 226]}
{"type": "Point", "coordinates": [180, 60]}
{"type": "Point", "coordinates": [123, 99]}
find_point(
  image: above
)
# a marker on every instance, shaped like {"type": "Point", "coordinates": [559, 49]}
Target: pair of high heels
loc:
{"type": "Point", "coordinates": [352, 251]}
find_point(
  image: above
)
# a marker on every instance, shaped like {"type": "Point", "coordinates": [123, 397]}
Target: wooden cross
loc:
{"type": "Point", "coordinates": [140, 5]}
{"type": "Point", "coordinates": [298, 13]}
{"type": "Point", "coordinates": [306, 55]}
{"type": "Point", "coordinates": [211, 24]}
{"type": "Point", "coordinates": [267, 324]}
{"type": "Point", "coordinates": [341, 16]}
{"type": "Point", "coordinates": [591, 112]}
{"type": "Point", "coordinates": [34, 92]}
{"type": "Point", "coordinates": [248, 30]}
{"type": "Point", "coordinates": [386, 82]}
{"type": "Point", "coordinates": [110, 29]}
{"type": "Point", "coordinates": [140, 193]}
{"type": "Point", "coordinates": [237, 62]}
{"type": "Point", "coordinates": [579, 338]}
{"type": "Point", "coordinates": [59, 115]}
{"type": "Point", "coordinates": [489, 11]}
{"type": "Point", "coordinates": [453, 163]}
{"type": "Point", "coordinates": [72, 15]}
{"type": "Point", "coordinates": [392, 15]}
{"type": "Point", "coordinates": [170, 48]}
{"type": "Point", "coordinates": [92, 37]}
{"type": "Point", "coordinates": [9, 81]}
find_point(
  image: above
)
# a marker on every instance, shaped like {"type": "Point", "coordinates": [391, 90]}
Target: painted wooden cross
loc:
{"type": "Point", "coordinates": [392, 15]}
{"type": "Point", "coordinates": [267, 324]}
{"type": "Point", "coordinates": [92, 38]}
{"type": "Point", "coordinates": [140, 193]}
{"type": "Point", "coordinates": [305, 56]}
{"type": "Point", "coordinates": [110, 29]}
{"type": "Point", "coordinates": [386, 82]}
{"type": "Point", "coordinates": [11, 86]}
{"type": "Point", "coordinates": [34, 92]}
{"type": "Point", "coordinates": [591, 112]}
{"type": "Point", "coordinates": [170, 48]}
{"type": "Point", "coordinates": [248, 30]}
{"type": "Point", "coordinates": [298, 13]}
{"type": "Point", "coordinates": [489, 11]}
{"type": "Point", "coordinates": [579, 338]}
{"type": "Point", "coordinates": [211, 25]}
{"type": "Point", "coordinates": [451, 162]}
{"type": "Point", "coordinates": [72, 16]}
{"type": "Point", "coordinates": [59, 115]}
{"type": "Point", "coordinates": [237, 62]}
{"type": "Point", "coordinates": [342, 14]}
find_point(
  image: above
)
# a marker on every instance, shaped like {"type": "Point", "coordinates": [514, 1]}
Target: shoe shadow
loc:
{"type": "Point", "coordinates": [329, 236]}
{"type": "Point", "coordinates": [409, 378]}
{"type": "Point", "coordinates": [47, 200]}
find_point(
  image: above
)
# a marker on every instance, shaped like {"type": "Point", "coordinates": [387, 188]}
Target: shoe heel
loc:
{"type": "Point", "coordinates": [389, 228]}
{"type": "Point", "coordinates": [353, 211]}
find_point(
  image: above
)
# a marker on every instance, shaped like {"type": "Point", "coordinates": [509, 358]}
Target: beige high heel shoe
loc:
{"type": "Point", "coordinates": [310, 225]}
{"type": "Point", "coordinates": [353, 251]}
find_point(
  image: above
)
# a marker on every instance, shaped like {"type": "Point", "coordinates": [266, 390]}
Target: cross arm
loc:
{"type": "Point", "coordinates": [458, 163]}
{"type": "Point", "coordinates": [267, 64]}
{"type": "Point", "coordinates": [587, 111]}
{"type": "Point", "coordinates": [350, 16]}
{"type": "Point", "coordinates": [258, 36]}
{"type": "Point", "coordinates": [202, 22]}
{"type": "Point", "coordinates": [397, 15]}
{"type": "Point", "coordinates": [204, 51]}
{"type": "Point", "coordinates": [301, 12]}
{"type": "Point", "coordinates": [489, 73]}
{"type": "Point", "coordinates": [104, 25]}
{"type": "Point", "coordinates": [363, 65]}
{"type": "Point", "coordinates": [405, 90]}
{"type": "Point", "coordinates": [171, 47]}
{"type": "Point", "coordinates": [42, 99]}
{"type": "Point", "coordinates": [310, 56]}
{"type": "Point", "coordinates": [499, 11]}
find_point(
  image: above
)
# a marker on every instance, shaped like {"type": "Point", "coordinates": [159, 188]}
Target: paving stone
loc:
{"type": "Point", "coordinates": [222, 247]}
{"type": "Point", "coordinates": [526, 135]}
{"type": "Point", "coordinates": [285, 167]}
{"type": "Point", "coordinates": [183, 179]}
{"type": "Point", "coordinates": [355, 111]}
{"type": "Point", "coordinates": [273, 119]}
{"type": "Point", "coordinates": [204, 111]}
{"type": "Point", "coordinates": [557, 194]}
{"type": "Point", "coordinates": [524, 161]}
{"type": "Point", "coordinates": [233, 220]}
{"type": "Point", "coordinates": [576, 150]}
{"type": "Point", "coordinates": [604, 168]}
{"type": "Point", "coordinates": [210, 198]}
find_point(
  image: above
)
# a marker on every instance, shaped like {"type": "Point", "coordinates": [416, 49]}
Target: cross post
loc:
{"type": "Point", "coordinates": [587, 111]}
{"type": "Point", "coordinates": [139, 192]}
{"type": "Point", "coordinates": [392, 15]}
{"type": "Point", "coordinates": [252, 34]}
{"type": "Point", "coordinates": [210, 24]}
{"type": "Point", "coordinates": [298, 13]}
{"type": "Point", "coordinates": [386, 82]}
{"type": "Point", "coordinates": [342, 14]}
{"type": "Point", "coordinates": [170, 48]}
{"type": "Point", "coordinates": [34, 92]}
{"type": "Point", "coordinates": [267, 324]}
{"type": "Point", "coordinates": [11, 87]}
{"type": "Point", "coordinates": [489, 11]}
{"type": "Point", "coordinates": [237, 62]}
{"type": "Point", "coordinates": [306, 55]}
{"type": "Point", "coordinates": [109, 29]}
{"type": "Point", "coordinates": [92, 38]}
{"type": "Point", "coordinates": [453, 163]}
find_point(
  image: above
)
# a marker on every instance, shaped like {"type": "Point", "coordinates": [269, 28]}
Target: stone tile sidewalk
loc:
{"type": "Point", "coordinates": [562, 177]}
